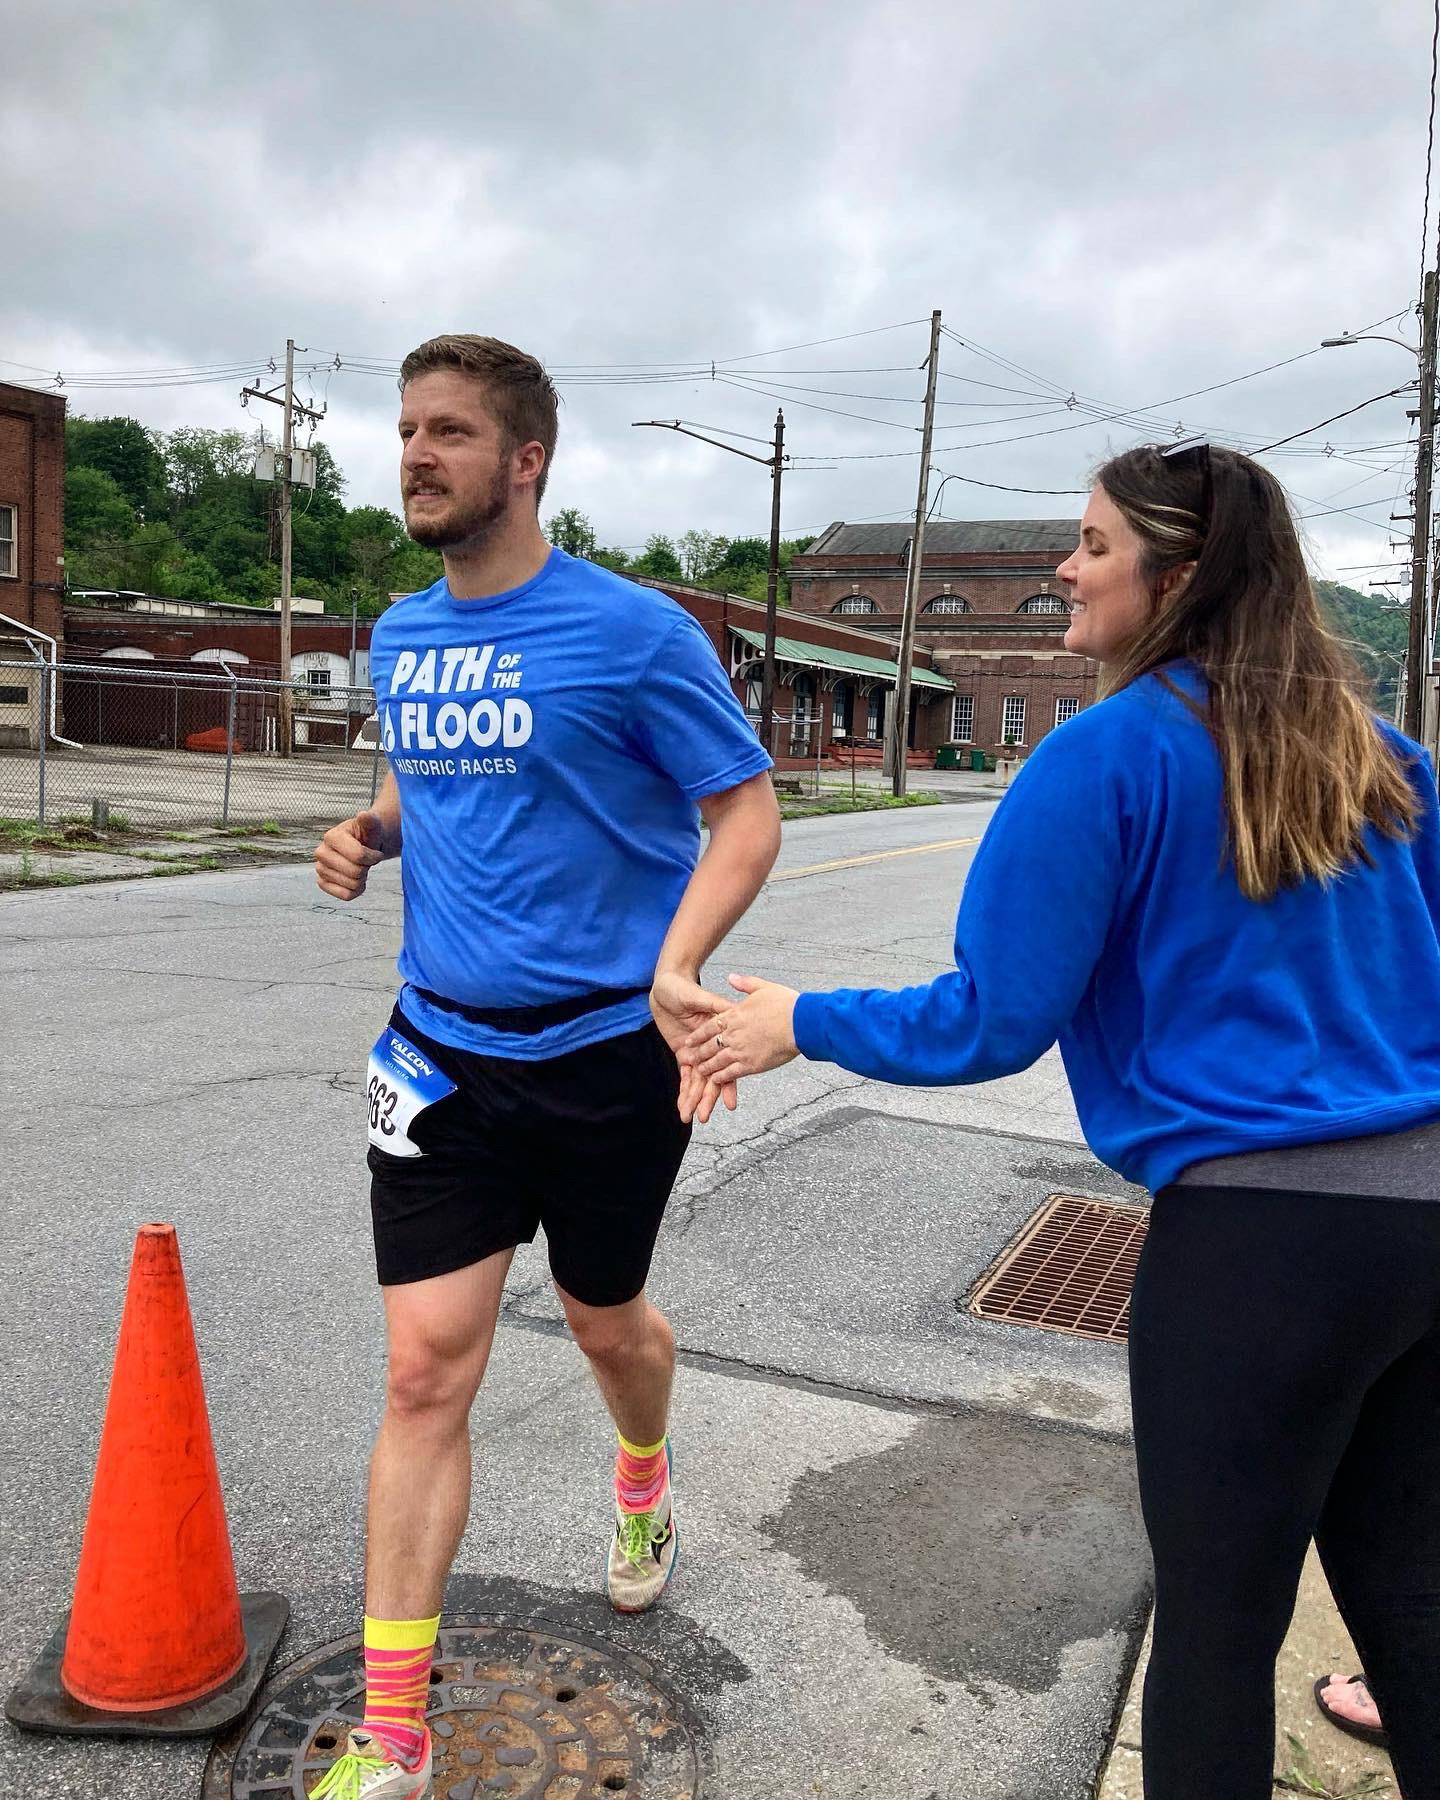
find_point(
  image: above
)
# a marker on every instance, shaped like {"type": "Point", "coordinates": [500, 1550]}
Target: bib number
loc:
{"type": "Point", "coordinates": [401, 1082]}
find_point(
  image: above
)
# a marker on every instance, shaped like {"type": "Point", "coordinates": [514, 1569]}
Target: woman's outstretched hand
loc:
{"type": "Point", "coordinates": [748, 1038]}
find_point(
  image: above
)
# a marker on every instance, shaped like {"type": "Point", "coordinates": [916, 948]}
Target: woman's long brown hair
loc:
{"type": "Point", "coordinates": [1305, 765]}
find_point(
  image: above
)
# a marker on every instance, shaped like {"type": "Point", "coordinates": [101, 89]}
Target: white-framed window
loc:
{"type": "Point", "coordinates": [855, 603]}
{"type": "Point", "coordinates": [948, 603]}
{"type": "Point", "coordinates": [874, 712]}
{"type": "Point", "coordinates": [752, 698]}
{"type": "Point", "coordinates": [9, 526]}
{"type": "Point", "coordinates": [1066, 707]}
{"type": "Point", "coordinates": [318, 681]}
{"type": "Point", "coordinates": [962, 719]}
{"type": "Point", "coordinates": [1012, 719]}
{"type": "Point", "coordinates": [1043, 603]}
{"type": "Point", "coordinates": [839, 710]}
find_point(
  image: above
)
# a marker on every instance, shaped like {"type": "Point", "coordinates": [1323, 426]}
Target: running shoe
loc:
{"type": "Point", "coordinates": [367, 1771]}
{"type": "Point", "coordinates": [642, 1553]}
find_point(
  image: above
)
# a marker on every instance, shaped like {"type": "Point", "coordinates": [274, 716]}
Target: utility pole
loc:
{"type": "Point", "coordinates": [776, 465]}
{"type": "Point", "coordinates": [901, 733]}
{"type": "Point", "coordinates": [772, 589]}
{"type": "Point", "coordinates": [1417, 669]}
{"type": "Point", "coordinates": [287, 445]}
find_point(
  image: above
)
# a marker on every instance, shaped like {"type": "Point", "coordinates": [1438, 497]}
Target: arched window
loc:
{"type": "Point", "coordinates": [855, 603]}
{"type": "Point", "coordinates": [947, 603]}
{"type": "Point", "coordinates": [219, 656]}
{"type": "Point", "coordinates": [128, 653]}
{"type": "Point", "coordinates": [1043, 603]}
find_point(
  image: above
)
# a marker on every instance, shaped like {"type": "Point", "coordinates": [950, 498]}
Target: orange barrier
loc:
{"type": "Point", "coordinates": [156, 1626]}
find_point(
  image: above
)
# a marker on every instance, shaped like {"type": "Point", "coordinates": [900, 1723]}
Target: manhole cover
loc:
{"type": "Point", "coordinates": [1071, 1270]}
{"type": "Point", "coordinates": [518, 1711]}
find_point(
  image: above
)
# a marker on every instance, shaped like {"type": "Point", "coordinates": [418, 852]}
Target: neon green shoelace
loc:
{"type": "Point", "coordinates": [637, 1534]}
{"type": "Point", "coordinates": [342, 1779]}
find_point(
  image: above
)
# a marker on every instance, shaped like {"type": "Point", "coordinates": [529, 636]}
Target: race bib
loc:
{"type": "Point", "coordinates": [402, 1082]}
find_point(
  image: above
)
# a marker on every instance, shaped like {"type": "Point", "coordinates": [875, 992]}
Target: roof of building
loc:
{"type": "Point", "coordinates": [846, 662]}
{"type": "Point", "coordinates": [949, 537]}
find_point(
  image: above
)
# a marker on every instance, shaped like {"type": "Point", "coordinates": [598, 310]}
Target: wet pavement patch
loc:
{"type": "Point", "coordinates": [981, 1548]}
{"type": "Point", "coordinates": [527, 1712]}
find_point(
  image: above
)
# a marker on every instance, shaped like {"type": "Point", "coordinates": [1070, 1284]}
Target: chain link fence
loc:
{"type": "Point", "coordinates": [182, 746]}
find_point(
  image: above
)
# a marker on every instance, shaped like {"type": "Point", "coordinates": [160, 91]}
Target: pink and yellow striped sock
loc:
{"type": "Point", "coordinates": [641, 1471]}
{"type": "Point", "coordinates": [398, 1656]}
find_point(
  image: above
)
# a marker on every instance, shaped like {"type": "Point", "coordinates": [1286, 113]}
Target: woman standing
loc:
{"type": "Point", "coordinates": [1220, 890]}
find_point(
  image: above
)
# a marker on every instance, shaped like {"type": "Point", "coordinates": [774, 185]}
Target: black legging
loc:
{"type": "Point", "coordinates": [1285, 1375]}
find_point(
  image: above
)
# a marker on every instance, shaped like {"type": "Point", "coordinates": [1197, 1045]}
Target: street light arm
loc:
{"type": "Point", "coordinates": [1368, 337]}
{"type": "Point", "coordinates": [685, 431]}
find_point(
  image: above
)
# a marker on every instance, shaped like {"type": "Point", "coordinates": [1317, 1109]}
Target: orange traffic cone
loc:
{"type": "Point", "coordinates": [158, 1641]}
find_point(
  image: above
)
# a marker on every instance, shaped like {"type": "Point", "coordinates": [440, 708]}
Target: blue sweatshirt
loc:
{"type": "Point", "coordinates": [1193, 1022]}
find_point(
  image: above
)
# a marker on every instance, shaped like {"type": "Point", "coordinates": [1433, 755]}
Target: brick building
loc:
{"type": "Point", "coordinates": [991, 619]}
{"type": "Point", "coordinates": [147, 628]}
{"type": "Point", "coordinates": [831, 680]}
{"type": "Point", "coordinates": [32, 545]}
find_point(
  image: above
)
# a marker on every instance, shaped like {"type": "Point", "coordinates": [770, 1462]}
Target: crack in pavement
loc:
{"type": "Point", "coordinates": [741, 1368]}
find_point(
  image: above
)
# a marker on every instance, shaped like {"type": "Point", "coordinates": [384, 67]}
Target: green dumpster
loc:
{"type": "Point", "coordinates": [947, 756]}
{"type": "Point", "coordinates": [977, 761]}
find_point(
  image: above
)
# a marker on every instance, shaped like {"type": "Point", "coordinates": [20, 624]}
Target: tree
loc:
{"type": "Point", "coordinates": [415, 568]}
{"type": "Point", "coordinates": [197, 459]}
{"type": "Point", "coordinates": [1375, 632]}
{"type": "Point", "coordinates": [658, 560]}
{"type": "Point", "coordinates": [95, 509]}
{"type": "Point", "coordinates": [699, 552]}
{"type": "Point", "coordinates": [611, 558]}
{"type": "Point", "coordinates": [124, 450]}
{"type": "Point", "coordinates": [572, 532]}
{"type": "Point", "coordinates": [373, 539]}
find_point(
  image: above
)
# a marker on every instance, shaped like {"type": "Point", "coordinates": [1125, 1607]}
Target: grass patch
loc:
{"type": "Point", "coordinates": [799, 807]}
{"type": "Point", "coordinates": [266, 828]}
{"type": "Point", "coordinates": [1303, 1777]}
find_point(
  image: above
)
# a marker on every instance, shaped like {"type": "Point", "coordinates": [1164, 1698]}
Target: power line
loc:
{"type": "Point", "coordinates": [1005, 486]}
{"type": "Point", "coordinates": [1374, 399]}
{"type": "Point", "coordinates": [816, 343]}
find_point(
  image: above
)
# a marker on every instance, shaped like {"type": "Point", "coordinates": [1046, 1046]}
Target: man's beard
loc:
{"type": "Point", "coordinates": [464, 524]}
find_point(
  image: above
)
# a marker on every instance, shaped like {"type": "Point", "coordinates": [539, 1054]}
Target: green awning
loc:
{"type": "Point", "coordinates": [845, 662]}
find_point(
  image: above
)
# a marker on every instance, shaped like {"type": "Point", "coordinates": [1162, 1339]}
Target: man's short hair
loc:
{"type": "Point", "coordinates": [520, 395]}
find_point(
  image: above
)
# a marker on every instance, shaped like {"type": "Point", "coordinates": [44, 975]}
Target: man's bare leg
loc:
{"type": "Point", "coordinates": [631, 1351]}
{"type": "Point", "coordinates": [439, 1334]}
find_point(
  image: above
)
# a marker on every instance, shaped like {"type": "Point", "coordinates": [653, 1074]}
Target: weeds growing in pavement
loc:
{"type": "Point", "coordinates": [1302, 1777]}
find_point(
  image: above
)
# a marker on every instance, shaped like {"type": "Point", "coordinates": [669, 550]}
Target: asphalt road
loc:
{"type": "Point", "coordinates": [913, 1566]}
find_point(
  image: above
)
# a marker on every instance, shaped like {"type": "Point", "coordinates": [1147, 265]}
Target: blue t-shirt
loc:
{"type": "Point", "coordinates": [1194, 1023]}
{"type": "Point", "coordinates": [550, 745]}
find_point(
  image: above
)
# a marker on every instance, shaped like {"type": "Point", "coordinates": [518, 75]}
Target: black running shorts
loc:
{"type": "Point", "coordinates": [587, 1145]}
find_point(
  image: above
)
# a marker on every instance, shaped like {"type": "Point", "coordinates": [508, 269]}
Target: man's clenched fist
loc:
{"type": "Point", "coordinates": [348, 852]}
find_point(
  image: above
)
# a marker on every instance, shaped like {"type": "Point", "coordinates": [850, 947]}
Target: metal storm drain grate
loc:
{"type": "Point", "coordinates": [513, 1711]}
{"type": "Point", "coordinates": [1071, 1270]}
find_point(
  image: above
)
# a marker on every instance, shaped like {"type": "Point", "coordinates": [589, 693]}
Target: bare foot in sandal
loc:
{"type": "Point", "coordinates": [1347, 1702]}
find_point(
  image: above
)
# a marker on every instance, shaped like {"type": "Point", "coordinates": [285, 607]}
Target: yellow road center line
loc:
{"type": "Point", "coordinates": [854, 862]}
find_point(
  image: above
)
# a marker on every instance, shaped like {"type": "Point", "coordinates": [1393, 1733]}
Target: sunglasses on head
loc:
{"type": "Point", "coordinates": [1196, 450]}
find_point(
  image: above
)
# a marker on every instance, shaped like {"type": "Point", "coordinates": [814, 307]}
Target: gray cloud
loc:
{"type": "Point", "coordinates": [1132, 203]}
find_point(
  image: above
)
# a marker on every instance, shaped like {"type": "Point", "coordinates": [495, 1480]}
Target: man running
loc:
{"type": "Point", "coordinates": [551, 730]}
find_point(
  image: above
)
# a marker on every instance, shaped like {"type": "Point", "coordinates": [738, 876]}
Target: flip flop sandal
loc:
{"type": "Point", "coordinates": [1369, 1734]}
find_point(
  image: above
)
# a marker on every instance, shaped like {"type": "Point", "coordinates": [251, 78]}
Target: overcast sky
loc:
{"type": "Point", "coordinates": [1123, 203]}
